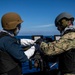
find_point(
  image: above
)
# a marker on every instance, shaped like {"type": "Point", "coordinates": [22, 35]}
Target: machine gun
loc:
{"type": "Point", "coordinates": [41, 61]}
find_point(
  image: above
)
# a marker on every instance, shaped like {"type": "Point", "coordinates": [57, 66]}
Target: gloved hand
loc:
{"type": "Point", "coordinates": [30, 52]}
{"type": "Point", "coordinates": [38, 41]}
{"type": "Point", "coordinates": [26, 42]}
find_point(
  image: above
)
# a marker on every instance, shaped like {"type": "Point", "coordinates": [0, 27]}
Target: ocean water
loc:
{"type": "Point", "coordinates": [31, 37]}
{"type": "Point", "coordinates": [27, 37]}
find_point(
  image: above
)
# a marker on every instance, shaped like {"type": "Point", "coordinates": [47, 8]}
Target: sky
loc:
{"type": "Point", "coordinates": [38, 15]}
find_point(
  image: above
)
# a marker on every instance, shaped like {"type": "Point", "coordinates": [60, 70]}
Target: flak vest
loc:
{"type": "Point", "coordinates": [7, 62]}
{"type": "Point", "coordinates": [67, 59]}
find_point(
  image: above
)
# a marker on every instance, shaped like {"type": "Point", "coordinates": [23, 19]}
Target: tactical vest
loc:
{"type": "Point", "coordinates": [7, 62]}
{"type": "Point", "coordinates": [67, 60]}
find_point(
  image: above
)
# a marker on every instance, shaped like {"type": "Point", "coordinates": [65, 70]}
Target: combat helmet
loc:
{"type": "Point", "coordinates": [10, 20]}
{"type": "Point", "coordinates": [61, 16]}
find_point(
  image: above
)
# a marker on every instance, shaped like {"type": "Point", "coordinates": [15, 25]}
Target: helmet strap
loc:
{"type": "Point", "coordinates": [16, 31]}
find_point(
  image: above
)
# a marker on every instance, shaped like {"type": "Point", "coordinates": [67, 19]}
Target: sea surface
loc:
{"type": "Point", "coordinates": [27, 37]}
{"type": "Point", "coordinates": [31, 37]}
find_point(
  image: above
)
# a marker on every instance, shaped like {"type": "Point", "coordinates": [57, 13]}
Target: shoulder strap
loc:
{"type": "Point", "coordinates": [2, 34]}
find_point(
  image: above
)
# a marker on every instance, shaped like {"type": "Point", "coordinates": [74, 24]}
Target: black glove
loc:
{"type": "Point", "coordinates": [38, 41]}
{"type": "Point", "coordinates": [37, 47]}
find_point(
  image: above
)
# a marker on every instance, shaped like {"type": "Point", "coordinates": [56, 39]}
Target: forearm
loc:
{"type": "Point", "coordinates": [64, 44]}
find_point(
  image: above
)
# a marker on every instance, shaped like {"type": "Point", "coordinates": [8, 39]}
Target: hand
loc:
{"type": "Point", "coordinates": [38, 41]}
{"type": "Point", "coordinates": [30, 52]}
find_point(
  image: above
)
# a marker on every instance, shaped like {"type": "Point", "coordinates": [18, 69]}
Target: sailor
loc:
{"type": "Point", "coordinates": [65, 46]}
{"type": "Point", "coordinates": [11, 52]}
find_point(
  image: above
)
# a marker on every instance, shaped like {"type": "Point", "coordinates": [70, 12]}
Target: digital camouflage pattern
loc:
{"type": "Point", "coordinates": [65, 43]}
{"type": "Point", "coordinates": [69, 74]}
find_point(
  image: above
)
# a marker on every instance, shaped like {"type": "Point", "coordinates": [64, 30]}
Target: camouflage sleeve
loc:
{"type": "Point", "coordinates": [65, 43]}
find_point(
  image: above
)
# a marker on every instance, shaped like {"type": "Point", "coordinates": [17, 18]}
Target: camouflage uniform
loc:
{"type": "Point", "coordinates": [65, 43]}
{"type": "Point", "coordinates": [65, 46]}
{"type": "Point", "coordinates": [69, 74]}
